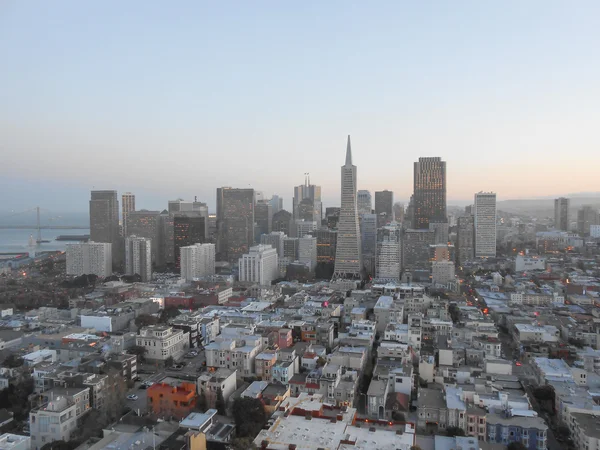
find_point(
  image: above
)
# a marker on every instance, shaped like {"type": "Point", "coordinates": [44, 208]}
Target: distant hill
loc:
{"type": "Point", "coordinates": [544, 207]}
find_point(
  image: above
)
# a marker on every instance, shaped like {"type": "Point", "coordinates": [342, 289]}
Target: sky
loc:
{"type": "Point", "coordinates": [172, 100]}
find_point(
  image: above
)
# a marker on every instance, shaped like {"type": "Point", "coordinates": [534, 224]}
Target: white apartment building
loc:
{"type": "Point", "coordinates": [388, 259]}
{"type": "Point", "coordinates": [162, 342]}
{"type": "Point", "coordinates": [138, 257]}
{"type": "Point", "coordinates": [307, 251]}
{"type": "Point", "coordinates": [523, 263]}
{"type": "Point", "coordinates": [484, 212]}
{"type": "Point", "coordinates": [197, 261]}
{"type": "Point", "coordinates": [442, 272]}
{"type": "Point", "coordinates": [87, 258]}
{"type": "Point", "coordinates": [235, 354]}
{"type": "Point", "coordinates": [260, 265]}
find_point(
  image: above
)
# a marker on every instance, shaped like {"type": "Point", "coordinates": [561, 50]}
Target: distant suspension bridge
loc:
{"type": "Point", "coordinates": [38, 226]}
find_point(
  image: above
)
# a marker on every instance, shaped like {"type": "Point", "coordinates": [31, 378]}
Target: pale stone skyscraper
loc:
{"type": "Point", "coordinates": [485, 224]}
{"type": "Point", "coordinates": [348, 260]}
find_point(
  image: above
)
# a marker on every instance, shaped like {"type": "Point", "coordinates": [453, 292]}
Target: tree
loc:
{"type": "Point", "coordinates": [220, 403]}
{"type": "Point", "coordinates": [455, 431]}
{"type": "Point", "coordinates": [13, 361]}
{"type": "Point", "coordinates": [543, 393]}
{"type": "Point", "coordinates": [16, 398]}
{"type": "Point", "coordinates": [60, 445]}
{"type": "Point", "coordinates": [397, 416]}
{"type": "Point", "coordinates": [244, 443]}
{"type": "Point", "coordinates": [169, 361]}
{"type": "Point", "coordinates": [563, 431]}
{"type": "Point", "coordinates": [139, 351]}
{"type": "Point", "coordinates": [144, 320]}
{"type": "Point", "coordinates": [201, 402]}
{"type": "Point", "coordinates": [168, 313]}
{"type": "Point", "coordinates": [249, 416]}
{"type": "Point", "coordinates": [321, 361]}
{"type": "Point", "coordinates": [516, 446]}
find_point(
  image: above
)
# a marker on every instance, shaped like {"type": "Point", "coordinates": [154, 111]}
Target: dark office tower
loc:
{"type": "Point", "coordinates": [167, 238]}
{"type": "Point", "coordinates": [415, 252]}
{"type": "Point", "coordinates": [307, 197]}
{"type": "Point", "coordinates": [180, 205]}
{"type": "Point", "coordinates": [348, 257]}
{"type": "Point", "coordinates": [263, 216]}
{"type": "Point", "coordinates": [146, 224]}
{"type": "Point", "coordinates": [282, 221]}
{"type": "Point", "coordinates": [586, 217]}
{"type": "Point", "coordinates": [409, 216]}
{"type": "Point", "coordinates": [235, 222]}
{"type": "Point", "coordinates": [561, 214]}
{"type": "Point", "coordinates": [326, 245]}
{"type": "Point", "coordinates": [332, 216]}
{"type": "Point", "coordinates": [384, 207]}
{"type": "Point", "coordinates": [188, 229]}
{"type": "Point", "coordinates": [429, 192]}
{"type": "Point", "coordinates": [399, 212]}
{"type": "Point", "coordinates": [104, 222]}
{"type": "Point", "coordinates": [465, 247]}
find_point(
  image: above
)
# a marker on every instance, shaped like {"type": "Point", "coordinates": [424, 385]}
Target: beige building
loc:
{"type": "Point", "coordinates": [162, 342]}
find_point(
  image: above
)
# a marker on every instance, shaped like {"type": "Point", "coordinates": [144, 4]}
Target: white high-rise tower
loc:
{"type": "Point", "coordinates": [348, 259]}
{"type": "Point", "coordinates": [484, 212]}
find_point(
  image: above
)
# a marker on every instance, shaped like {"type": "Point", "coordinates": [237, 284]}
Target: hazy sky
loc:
{"type": "Point", "coordinates": [169, 99]}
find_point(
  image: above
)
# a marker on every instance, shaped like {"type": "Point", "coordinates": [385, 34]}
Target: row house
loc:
{"type": "Point", "coordinates": [238, 354]}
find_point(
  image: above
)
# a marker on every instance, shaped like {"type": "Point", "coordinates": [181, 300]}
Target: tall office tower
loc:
{"type": "Point", "coordinates": [212, 228]}
{"type": "Point", "coordinates": [384, 207]}
{"type": "Point", "coordinates": [465, 239]}
{"type": "Point", "coordinates": [275, 240]}
{"type": "Point", "coordinates": [127, 205]}
{"type": "Point", "coordinates": [282, 221]}
{"type": "Point", "coordinates": [307, 201]}
{"type": "Point", "coordinates": [485, 224]}
{"type": "Point", "coordinates": [290, 248]}
{"type": "Point", "coordinates": [235, 221]}
{"type": "Point", "coordinates": [415, 251]}
{"type": "Point", "coordinates": [89, 258]}
{"type": "Point", "coordinates": [326, 244]}
{"type": "Point", "coordinates": [399, 212]}
{"type": "Point", "coordinates": [197, 261]}
{"type": "Point", "coordinates": [364, 204]}
{"type": "Point", "coordinates": [586, 216]}
{"type": "Point", "coordinates": [260, 265]}
{"type": "Point", "coordinates": [104, 221]}
{"type": "Point", "coordinates": [388, 260]}
{"type": "Point", "coordinates": [303, 227]}
{"type": "Point", "coordinates": [368, 240]}
{"type": "Point", "coordinates": [409, 216]}
{"type": "Point", "coordinates": [442, 252]}
{"type": "Point", "coordinates": [429, 192]}
{"type": "Point", "coordinates": [442, 272]}
{"type": "Point", "coordinates": [307, 252]}
{"type": "Point", "coordinates": [561, 214]}
{"type": "Point", "coordinates": [182, 206]}
{"type": "Point", "coordinates": [146, 224]}
{"type": "Point", "coordinates": [188, 229]}
{"type": "Point", "coordinates": [348, 260]}
{"type": "Point", "coordinates": [276, 203]}
{"type": "Point", "coordinates": [263, 216]}
{"type": "Point", "coordinates": [167, 238]}
{"type": "Point", "coordinates": [332, 216]}
{"type": "Point", "coordinates": [469, 210]}
{"type": "Point", "coordinates": [138, 257]}
{"type": "Point", "coordinates": [441, 231]}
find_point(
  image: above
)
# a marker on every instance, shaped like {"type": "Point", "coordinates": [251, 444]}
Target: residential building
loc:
{"type": "Point", "coordinates": [222, 379]}
{"type": "Point", "coordinates": [442, 272]}
{"type": "Point", "coordinates": [127, 205]}
{"type": "Point", "coordinates": [465, 238]}
{"type": "Point", "coordinates": [235, 222]}
{"type": "Point", "coordinates": [561, 214]}
{"type": "Point", "coordinates": [484, 212]}
{"type": "Point", "coordinates": [429, 192]}
{"type": "Point", "coordinates": [238, 354]}
{"type": "Point", "coordinates": [162, 342]}
{"type": "Point", "coordinates": [167, 401]}
{"type": "Point", "coordinates": [89, 258]}
{"type": "Point", "coordinates": [384, 207]}
{"type": "Point", "coordinates": [527, 263]}
{"type": "Point", "coordinates": [506, 428]}
{"type": "Point", "coordinates": [389, 257]}
{"type": "Point", "coordinates": [10, 441]}
{"type": "Point", "coordinates": [368, 240]}
{"type": "Point", "coordinates": [275, 240]}
{"type": "Point", "coordinates": [415, 250]}
{"type": "Point", "coordinates": [307, 251]}
{"type": "Point", "coordinates": [348, 260]}
{"type": "Point", "coordinates": [138, 257]}
{"type": "Point", "coordinates": [260, 265]}
{"type": "Point", "coordinates": [189, 228]}
{"type": "Point", "coordinates": [364, 204]}
{"type": "Point", "coordinates": [197, 261]}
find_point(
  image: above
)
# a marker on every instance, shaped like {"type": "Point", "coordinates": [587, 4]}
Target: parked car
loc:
{"type": "Point", "coordinates": [132, 397]}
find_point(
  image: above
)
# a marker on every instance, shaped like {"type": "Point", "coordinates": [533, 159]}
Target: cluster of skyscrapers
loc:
{"type": "Point", "coordinates": [259, 241]}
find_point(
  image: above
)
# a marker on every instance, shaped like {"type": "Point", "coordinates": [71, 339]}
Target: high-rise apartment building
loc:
{"type": "Point", "coordinates": [442, 272]}
{"type": "Point", "coordinates": [260, 265]}
{"type": "Point", "coordinates": [586, 217]}
{"type": "Point", "coordinates": [188, 229]}
{"type": "Point", "coordinates": [307, 201]}
{"type": "Point", "coordinates": [465, 239]}
{"type": "Point", "coordinates": [235, 221]}
{"type": "Point", "coordinates": [263, 216]}
{"type": "Point", "coordinates": [197, 261]}
{"type": "Point", "coordinates": [388, 261]}
{"type": "Point", "coordinates": [290, 248]}
{"type": "Point", "coordinates": [348, 258]}
{"type": "Point", "coordinates": [561, 214]}
{"type": "Point", "coordinates": [282, 221]}
{"type": "Point", "coordinates": [146, 224]}
{"type": "Point", "coordinates": [415, 249]}
{"type": "Point", "coordinates": [368, 240]}
{"type": "Point", "coordinates": [364, 203]}
{"type": "Point", "coordinates": [429, 192]}
{"type": "Point", "coordinates": [138, 257]}
{"type": "Point", "coordinates": [484, 213]}
{"type": "Point", "coordinates": [384, 207]}
{"type": "Point", "coordinates": [104, 221]}
{"type": "Point", "coordinates": [167, 239]}
{"type": "Point", "coordinates": [127, 205]}
{"type": "Point", "coordinates": [307, 252]}
{"type": "Point", "coordinates": [89, 258]}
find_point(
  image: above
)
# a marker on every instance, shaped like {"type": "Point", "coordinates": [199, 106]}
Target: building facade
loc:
{"type": "Point", "coordinates": [561, 214]}
{"type": "Point", "coordinates": [384, 207]}
{"type": "Point", "coordinates": [189, 228]}
{"type": "Point", "coordinates": [260, 265]}
{"type": "Point", "coordinates": [138, 257]}
{"type": "Point", "coordinates": [89, 258]}
{"type": "Point", "coordinates": [146, 224]}
{"type": "Point", "coordinates": [364, 203]}
{"type": "Point", "coordinates": [429, 199]}
{"type": "Point", "coordinates": [465, 250]}
{"type": "Point", "coordinates": [162, 342]}
{"type": "Point", "coordinates": [197, 261]}
{"type": "Point", "coordinates": [127, 205]}
{"type": "Point", "coordinates": [389, 258]}
{"type": "Point", "coordinates": [235, 221]}
{"type": "Point", "coordinates": [485, 224]}
{"type": "Point", "coordinates": [104, 221]}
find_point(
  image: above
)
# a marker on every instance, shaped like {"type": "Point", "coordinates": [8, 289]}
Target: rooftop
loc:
{"type": "Point", "coordinates": [588, 423]}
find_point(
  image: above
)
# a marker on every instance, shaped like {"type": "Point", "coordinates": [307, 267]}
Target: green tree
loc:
{"type": "Point", "coordinates": [249, 416]}
{"type": "Point", "coordinates": [244, 443]}
{"type": "Point", "coordinates": [13, 361]}
{"type": "Point", "coordinates": [60, 445]}
{"type": "Point", "coordinates": [139, 351]}
{"type": "Point", "coordinates": [168, 313]}
{"type": "Point", "coordinates": [220, 403]}
{"type": "Point", "coordinates": [144, 320]}
{"type": "Point", "coordinates": [321, 361]}
{"type": "Point", "coordinates": [169, 361]}
{"type": "Point", "coordinates": [455, 431]}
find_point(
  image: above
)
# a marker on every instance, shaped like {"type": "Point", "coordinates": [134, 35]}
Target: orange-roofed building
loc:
{"type": "Point", "coordinates": [165, 400]}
